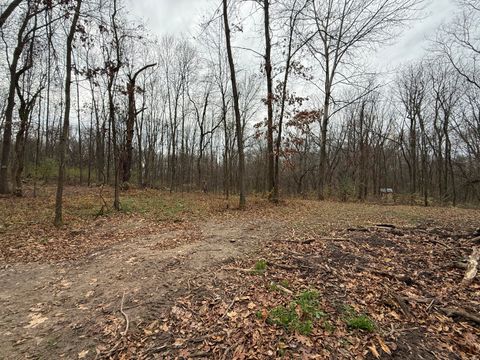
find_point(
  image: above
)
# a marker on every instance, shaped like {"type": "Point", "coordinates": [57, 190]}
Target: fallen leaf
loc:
{"type": "Point", "coordinates": [304, 340]}
{"type": "Point", "coordinates": [232, 314]}
{"type": "Point", "coordinates": [374, 351]}
{"type": "Point", "coordinates": [383, 345]}
{"type": "Point", "coordinates": [83, 354]}
{"type": "Point", "coordinates": [178, 342]}
{"type": "Point", "coordinates": [35, 320]}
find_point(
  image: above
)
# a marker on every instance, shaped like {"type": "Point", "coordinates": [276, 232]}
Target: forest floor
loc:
{"type": "Point", "coordinates": [188, 276]}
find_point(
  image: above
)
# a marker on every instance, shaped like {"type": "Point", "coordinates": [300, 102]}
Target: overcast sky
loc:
{"type": "Point", "coordinates": [175, 16]}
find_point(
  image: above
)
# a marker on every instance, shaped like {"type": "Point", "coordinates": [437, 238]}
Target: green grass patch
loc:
{"type": "Point", "coordinates": [300, 315]}
{"type": "Point", "coordinates": [358, 321]}
{"type": "Point", "coordinates": [328, 326]}
{"type": "Point", "coordinates": [260, 267]}
{"type": "Point", "coordinates": [361, 322]}
{"type": "Point", "coordinates": [308, 302]}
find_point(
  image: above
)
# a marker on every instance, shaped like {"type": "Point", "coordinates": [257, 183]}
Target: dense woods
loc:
{"type": "Point", "coordinates": [91, 97]}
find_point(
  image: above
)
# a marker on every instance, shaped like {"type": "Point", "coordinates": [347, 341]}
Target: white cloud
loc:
{"type": "Point", "coordinates": [169, 16]}
{"type": "Point", "coordinates": [412, 43]}
{"type": "Point", "coordinates": [184, 16]}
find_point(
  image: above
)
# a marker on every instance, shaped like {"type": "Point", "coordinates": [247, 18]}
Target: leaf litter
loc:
{"type": "Point", "coordinates": [388, 284]}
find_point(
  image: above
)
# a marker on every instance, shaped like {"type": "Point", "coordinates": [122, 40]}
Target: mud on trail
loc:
{"type": "Point", "coordinates": [67, 309]}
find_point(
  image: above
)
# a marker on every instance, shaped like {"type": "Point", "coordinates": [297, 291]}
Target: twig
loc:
{"type": "Point", "coordinates": [450, 312]}
{"type": "Point", "coordinates": [403, 278]}
{"type": "Point", "coordinates": [284, 289]}
{"type": "Point", "coordinates": [104, 203]}
{"type": "Point", "coordinates": [430, 305]}
{"type": "Point", "coordinates": [229, 307]}
{"type": "Point", "coordinates": [127, 322]}
{"type": "Point", "coordinates": [403, 306]}
{"type": "Point", "coordinates": [390, 226]}
{"type": "Point", "coordinates": [112, 350]}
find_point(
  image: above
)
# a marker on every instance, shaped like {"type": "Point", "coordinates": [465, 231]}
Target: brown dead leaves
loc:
{"type": "Point", "coordinates": [400, 279]}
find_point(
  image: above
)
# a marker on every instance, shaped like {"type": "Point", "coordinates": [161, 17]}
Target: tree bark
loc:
{"type": "Point", "coordinates": [132, 115]}
{"type": "Point", "coordinates": [7, 130]}
{"type": "Point", "coordinates": [238, 119]}
{"type": "Point", "coordinates": [8, 11]}
{"type": "Point", "coordinates": [66, 120]}
{"type": "Point", "coordinates": [268, 72]}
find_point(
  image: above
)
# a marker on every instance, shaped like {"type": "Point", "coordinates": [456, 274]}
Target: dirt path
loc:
{"type": "Point", "coordinates": [59, 310]}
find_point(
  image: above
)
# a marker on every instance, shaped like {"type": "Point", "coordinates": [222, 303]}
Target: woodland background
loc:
{"type": "Point", "coordinates": [91, 97]}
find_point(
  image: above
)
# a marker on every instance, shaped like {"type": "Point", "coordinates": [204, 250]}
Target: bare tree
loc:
{"type": "Point", "coordinates": [27, 96]}
{"type": "Point", "coordinates": [459, 41]}
{"type": "Point", "coordinates": [340, 28]}
{"type": "Point", "coordinates": [238, 120]}
{"type": "Point", "coordinates": [412, 94]}
{"type": "Point", "coordinates": [23, 36]}
{"type": "Point", "coordinates": [66, 119]}
{"type": "Point", "coordinates": [131, 119]}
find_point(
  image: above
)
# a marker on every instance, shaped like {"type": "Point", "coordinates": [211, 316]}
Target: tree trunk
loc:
{"type": "Point", "coordinates": [322, 166]}
{"type": "Point", "coordinates": [126, 159]}
{"type": "Point", "coordinates": [20, 149]}
{"type": "Point", "coordinates": [268, 72]}
{"type": "Point", "coordinates": [7, 130]}
{"type": "Point", "coordinates": [8, 11]}
{"type": "Point", "coordinates": [238, 119]}
{"type": "Point", "coordinates": [66, 120]}
{"type": "Point", "coordinates": [80, 159]}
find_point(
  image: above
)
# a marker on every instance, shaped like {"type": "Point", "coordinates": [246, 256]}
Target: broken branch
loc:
{"type": "Point", "coordinates": [127, 322]}
{"type": "Point", "coordinates": [472, 265]}
{"type": "Point", "coordinates": [461, 313]}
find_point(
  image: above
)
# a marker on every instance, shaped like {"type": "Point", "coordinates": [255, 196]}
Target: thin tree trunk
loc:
{"type": "Point", "coordinates": [268, 72]}
{"type": "Point", "coordinates": [238, 120]}
{"type": "Point", "coordinates": [126, 158]}
{"type": "Point", "coordinates": [80, 158]}
{"type": "Point", "coordinates": [66, 121]}
{"type": "Point", "coordinates": [37, 146]}
{"type": "Point", "coordinates": [7, 130]}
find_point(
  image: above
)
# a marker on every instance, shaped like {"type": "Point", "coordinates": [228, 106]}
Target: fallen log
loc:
{"type": "Point", "coordinates": [460, 265]}
{"type": "Point", "coordinates": [472, 265]}
{"type": "Point", "coordinates": [450, 312]}
{"type": "Point", "coordinates": [403, 278]}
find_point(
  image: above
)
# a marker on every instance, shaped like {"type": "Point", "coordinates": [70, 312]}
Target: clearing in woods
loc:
{"type": "Point", "coordinates": [187, 276]}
